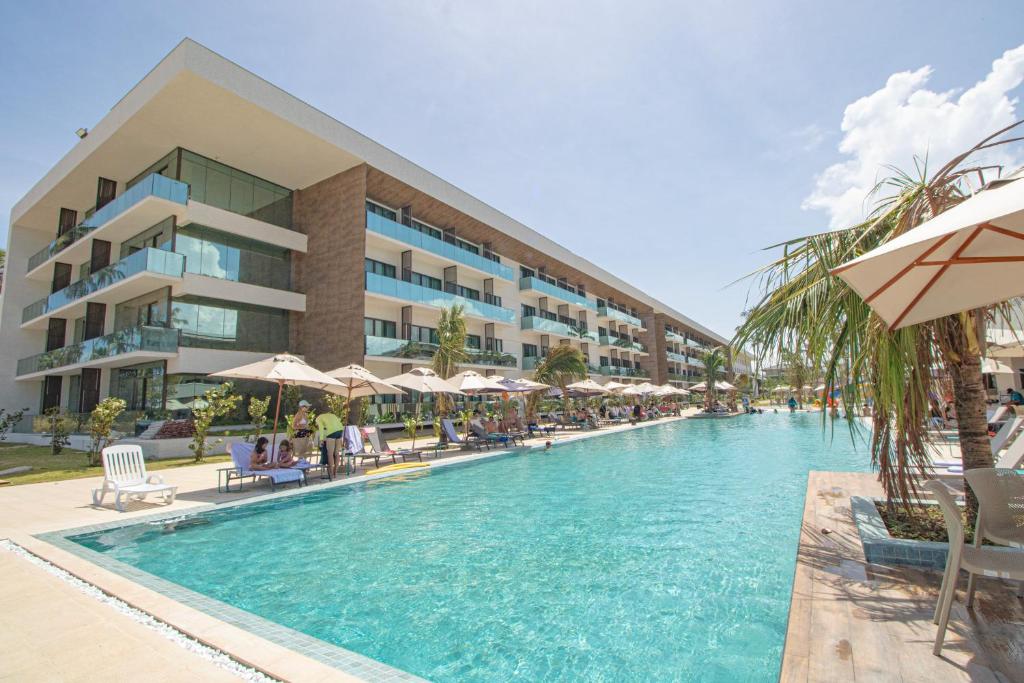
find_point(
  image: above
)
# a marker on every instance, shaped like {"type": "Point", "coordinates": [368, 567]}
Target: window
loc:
{"type": "Point", "coordinates": [141, 386]}
{"type": "Point", "coordinates": [529, 311]}
{"type": "Point", "coordinates": [380, 268]}
{"type": "Point", "coordinates": [529, 350]}
{"type": "Point", "coordinates": [467, 292]}
{"type": "Point", "coordinates": [427, 230]}
{"type": "Point", "coordinates": [219, 185]}
{"type": "Point", "coordinates": [214, 324]}
{"type": "Point", "coordinates": [149, 309]}
{"type": "Point", "coordinates": [473, 341]}
{"type": "Point", "coordinates": [157, 237]}
{"type": "Point", "coordinates": [525, 272]}
{"type": "Point", "coordinates": [424, 335]}
{"type": "Point", "coordinates": [380, 328]}
{"type": "Point", "coordinates": [221, 255]}
{"type": "Point", "coordinates": [425, 280]}
{"type": "Point", "coordinates": [381, 211]}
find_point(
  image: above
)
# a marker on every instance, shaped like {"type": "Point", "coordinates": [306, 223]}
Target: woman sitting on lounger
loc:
{"type": "Point", "coordinates": [261, 456]}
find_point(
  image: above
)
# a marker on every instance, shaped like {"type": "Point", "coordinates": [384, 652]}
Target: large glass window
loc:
{"type": "Point", "coordinates": [381, 211]}
{"type": "Point", "coordinates": [141, 386]}
{"type": "Point", "coordinates": [380, 268]}
{"type": "Point", "coordinates": [214, 324]}
{"type": "Point", "coordinates": [426, 281]}
{"type": "Point", "coordinates": [424, 335]}
{"type": "Point", "coordinates": [149, 309]}
{"type": "Point", "coordinates": [380, 328]}
{"type": "Point", "coordinates": [230, 257]}
{"type": "Point", "coordinates": [158, 236]}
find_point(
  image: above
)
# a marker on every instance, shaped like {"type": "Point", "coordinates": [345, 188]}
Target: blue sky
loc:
{"type": "Point", "coordinates": [666, 142]}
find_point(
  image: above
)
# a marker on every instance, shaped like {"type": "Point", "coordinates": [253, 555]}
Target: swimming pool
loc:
{"type": "Point", "coordinates": [663, 553]}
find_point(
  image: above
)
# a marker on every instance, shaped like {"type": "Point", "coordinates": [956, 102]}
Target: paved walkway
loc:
{"type": "Point", "coordinates": [51, 631]}
{"type": "Point", "coordinates": [851, 620]}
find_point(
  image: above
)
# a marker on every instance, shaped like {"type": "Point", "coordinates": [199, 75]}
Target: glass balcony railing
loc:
{"type": "Point", "coordinates": [153, 185]}
{"type": "Point", "coordinates": [414, 350]}
{"type": "Point", "coordinates": [693, 361]}
{"type": "Point", "coordinates": [613, 371]}
{"type": "Point", "coordinates": [531, 362]}
{"type": "Point", "coordinates": [539, 324]}
{"type": "Point", "coordinates": [132, 339]}
{"type": "Point", "coordinates": [156, 261]}
{"type": "Point", "coordinates": [407, 291]}
{"type": "Point", "coordinates": [676, 377]}
{"type": "Point", "coordinates": [616, 314]}
{"type": "Point", "coordinates": [406, 235]}
{"type": "Point", "coordinates": [625, 344]}
{"type": "Point", "coordinates": [677, 357]}
{"type": "Point", "coordinates": [674, 337]}
{"type": "Point", "coordinates": [545, 287]}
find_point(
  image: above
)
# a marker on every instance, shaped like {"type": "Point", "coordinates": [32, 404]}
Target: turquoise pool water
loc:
{"type": "Point", "coordinates": [665, 553]}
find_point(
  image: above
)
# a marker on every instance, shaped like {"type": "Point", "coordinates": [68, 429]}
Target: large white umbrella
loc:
{"type": "Point", "coordinates": [670, 390]}
{"type": "Point", "coordinates": [647, 387]}
{"type": "Point", "coordinates": [522, 385]}
{"type": "Point", "coordinates": [614, 386]}
{"type": "Point", "coordinates": [633, 390]}
{"type": "Point", "coordinates": [472, 383]}
{"type": "Point", "coordinates": [968, 257]}
{"type": "Point", "coordinates": [425, 381]}
{"type": "Point", "coordinates": [282, 369]}
{"type": "Point", "coordinates": [725, 386]}
{"type": "Point", "coordinates": [357, 381]}
{"type": "Point", "coordinates": [587, 387]}
{"type": "Point", "coordinates": [702, 386]}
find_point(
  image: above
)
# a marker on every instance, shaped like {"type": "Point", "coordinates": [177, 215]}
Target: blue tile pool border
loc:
{"type": "Point", "coordinates": [344, 660]}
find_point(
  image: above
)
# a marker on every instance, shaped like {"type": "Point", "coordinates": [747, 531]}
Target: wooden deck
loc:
{"type": "Point", "coordinates": [851, 620]}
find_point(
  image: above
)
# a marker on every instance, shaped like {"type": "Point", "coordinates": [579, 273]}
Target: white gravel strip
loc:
{"type": "Point", "coordinates": [169, 632]}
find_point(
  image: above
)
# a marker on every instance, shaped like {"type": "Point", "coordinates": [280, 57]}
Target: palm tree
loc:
{"type": "Point", "coordinates": [562, 366]}
{"type": "Point", "coordinates": [451, 350]}
{"type": "Point", "coordinates": [803, 306]}
{"type": "Point", "coordinates": [714, 363]}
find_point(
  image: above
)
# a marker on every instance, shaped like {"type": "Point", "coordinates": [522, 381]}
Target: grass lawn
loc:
{"type": "Point", "coordinates": [69, 464]}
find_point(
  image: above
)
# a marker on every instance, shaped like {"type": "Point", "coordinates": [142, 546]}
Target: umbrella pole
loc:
{"type": "Point", "coordinates": [277, 414]}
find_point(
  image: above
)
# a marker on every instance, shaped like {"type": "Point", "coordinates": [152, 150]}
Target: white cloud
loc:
{"type": "Point", "coordinates": [904, 119]}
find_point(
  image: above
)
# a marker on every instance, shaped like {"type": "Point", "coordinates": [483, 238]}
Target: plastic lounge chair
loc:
{"type": "Point", "coordinates": [124, 474]}
{"type": "Point", "coordinates": [450, 433]}
{"type": "Point", "coordinates": [1011, 459]}
{"type": "Point", "coordinates": [987, 561]}
{"type": "Point", "coordinates": [241, 457]}
{"type": "Point", "coordinates": [1000, 512]}
{"type": "Point", "coordinates": [355, 447]}
{"type": "Point", "coordinates": [379, 445]}
{"type": "Point", "coordinates": [495, 437]}
{"type": "Point", "coordinates": [533, 426]}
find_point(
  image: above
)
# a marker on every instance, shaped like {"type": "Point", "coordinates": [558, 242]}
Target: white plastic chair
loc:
{"type": "Point", "coordinates": [987, 561]}
{"type": "Point", "coordinates": [124, 471]}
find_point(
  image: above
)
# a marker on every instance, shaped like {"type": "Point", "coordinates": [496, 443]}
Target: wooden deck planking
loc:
{"type": "Point", "coordinates": [851, 620]}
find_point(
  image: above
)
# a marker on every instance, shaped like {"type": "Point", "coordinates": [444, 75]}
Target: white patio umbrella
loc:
{"type": "Point", "coordinates": [282, 369]}
{"type": "Point", "coordinates": [424, 381]}
{"type": "Point", "coordinates": [587, 387]}
{"type": "Point", "coordinates": [473, 383]}
{"type": "Point", "coordinates": [702, 386]}
{"type": "Point", "coordinates": [357, 381]}
{"type": "Point", "coordinates": [820, 387]}
{"type": "Point", "coordinates": [522, 385]}
{"type": "Point", "coordinates": [647, 387]}
{"type": "Point", "coordinates": [725, 386]}
{"type": "Point", "coordinates": [633, 390]}
{"type": "Point", "coordinates": [968, 257]}
{"type": "Point", "coordinates": [614, 386]}
{"type": "Point", "coordinates": [671, 390]}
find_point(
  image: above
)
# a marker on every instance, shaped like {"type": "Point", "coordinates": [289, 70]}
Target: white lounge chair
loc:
{"type": "Point", "coordinates": [124, 474]}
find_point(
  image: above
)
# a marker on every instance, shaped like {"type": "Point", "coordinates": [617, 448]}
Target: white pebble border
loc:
{"type": "Point", "coordinates": [208, 653]}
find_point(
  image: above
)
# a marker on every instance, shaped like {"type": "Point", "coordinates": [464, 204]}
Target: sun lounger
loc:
{"type": "Point", "coordinates": [496, 437]}
{"type": "Point", "coordinates": [450, 433]}
{"type": "Point", "coordinates": [355, 447]}
{"type": "Point", "coordinates": [241, 457]}
{"type": "Point", "coordinates": [379, 445]}
{"type": "Point", "coordinates": [124, 475]}
{"type": "Point", "coordinates": [1011, 459]}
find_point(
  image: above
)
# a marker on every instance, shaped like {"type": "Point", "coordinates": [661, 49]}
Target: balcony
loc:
{"type": "Point", "coordinates": [677, 357]}
{"type": "Point", "coordinates": [676, 377]}
{"type": "Point", "coordinates": [614, 371]}
{"type": "Point", "coordinates": [673, 337]}
{"type": "Point", "coordinates": [134, 275]}
{"type": "Point", "coordinates": [531, 362]}
{"type": "Point", "coordinates": [545, 288]}
{"type": "Point", "coordinates": [624, 344]}
{"type": "Point", "coordinates": [144, 204]}
{"type": "Point", "coordinates": [621, 316]}
{"type": "Point", "coordinates": [128, 346]}
{"type": "Point", "coordinates": [425, 296]}
{"type": "Point", "coordinates": [694, 362]}
{"type": "Point", "coordinates": [545, 326]}
{"type": "Point", "coordinates": [405, 349]}
{"type": "Point", "coordinates": [414, 238]}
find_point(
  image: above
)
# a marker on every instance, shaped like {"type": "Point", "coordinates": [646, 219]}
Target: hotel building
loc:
{"type": "Point", "coordinates": [211, 219]}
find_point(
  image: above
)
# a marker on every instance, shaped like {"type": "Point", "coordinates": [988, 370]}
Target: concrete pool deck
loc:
{"type": "Point", "coordinates": [32, 509]}
{"type": "Point", "coordinates": [851, 620]}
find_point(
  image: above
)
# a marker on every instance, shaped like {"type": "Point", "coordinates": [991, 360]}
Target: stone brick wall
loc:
{"type": "Point", "coordinates": [333, 216]}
